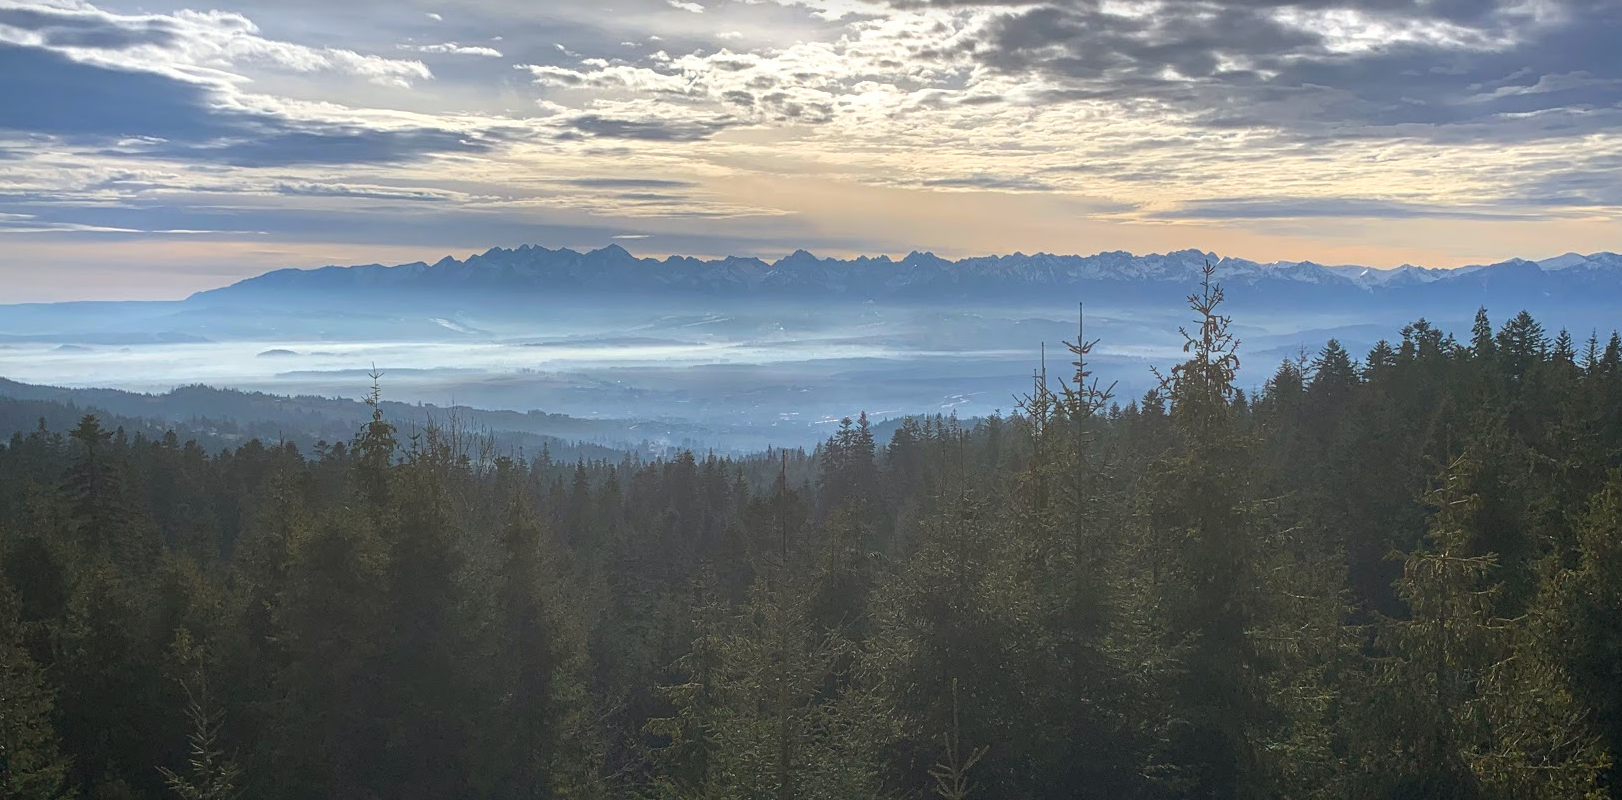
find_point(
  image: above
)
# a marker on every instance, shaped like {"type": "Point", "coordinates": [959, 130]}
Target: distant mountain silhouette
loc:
{"type": "Point", "coordinates": [922, 276]}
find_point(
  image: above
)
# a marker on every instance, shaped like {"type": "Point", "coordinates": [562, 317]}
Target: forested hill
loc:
{"type": "Point", "coordinates": [219, 418]}
{"type": "Point", "coordinates": [1393, 576]}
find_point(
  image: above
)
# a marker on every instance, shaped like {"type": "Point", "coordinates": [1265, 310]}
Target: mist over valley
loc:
{"type": "Point", "coordinates": [736, 354]}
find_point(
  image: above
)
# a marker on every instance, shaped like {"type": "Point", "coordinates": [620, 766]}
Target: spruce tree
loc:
{"type": "Point", "coordinates": [211, 773]}
{"type": "Point", "coordinates": [539, 743]}
{"type": "Point", "coordinates": [1591, 613]}
{"type": "Point", "coordinates": [1482, 345]}
{"type": "Point", "coordinates": [32, 766]}
{"type": "Point", "coordinates": [426, 687]}
{"type": "Point", "coordinates": [1222, 568]}
{"type": "Point", "coordinates": [327, 707]}
{"type": "Point", "coordinates": [1473, 704]}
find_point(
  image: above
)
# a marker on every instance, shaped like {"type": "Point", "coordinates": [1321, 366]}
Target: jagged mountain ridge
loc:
{"type": "Point", "coordinates": [920, 274]}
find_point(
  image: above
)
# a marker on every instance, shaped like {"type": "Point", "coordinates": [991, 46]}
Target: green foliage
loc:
{"type": "Point", "coordinates": [31, 765]}
{"type": "Point", "coordinates": [952, 774]}
{"type": "Point", "coordinates": [1477, 705]}
{"type": "Point", "coordinates": [211, 774]}
{"type": "Point", "coordinates": [1586, 617]}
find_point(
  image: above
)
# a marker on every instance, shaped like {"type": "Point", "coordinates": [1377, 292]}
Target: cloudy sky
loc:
{"type": "Point", "coordinates": [150, 148]}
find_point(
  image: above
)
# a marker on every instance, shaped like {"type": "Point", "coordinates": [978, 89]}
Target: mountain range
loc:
{"type": "Point", "coordinates": [739, 352]}
{"type": "Point", "coordinates": [533, 270]}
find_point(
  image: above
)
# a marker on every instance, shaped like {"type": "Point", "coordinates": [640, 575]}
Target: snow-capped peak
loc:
{"type": "Point", "coordinates": [1566, 261]}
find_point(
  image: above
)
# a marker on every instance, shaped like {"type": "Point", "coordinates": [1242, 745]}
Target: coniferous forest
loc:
{"type": "Point", "coordinates": [1386, 575]}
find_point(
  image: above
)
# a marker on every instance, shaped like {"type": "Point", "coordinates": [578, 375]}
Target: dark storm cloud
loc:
{"type": "Point", "coordinates": [1473, 69]}
{"type": "Point", "coordinates": [141, 114]}
{"type": "Point", "coordinates": [1325, 207]}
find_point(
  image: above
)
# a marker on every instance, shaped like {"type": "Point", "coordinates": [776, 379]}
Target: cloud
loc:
{"type": "Point", "coordinates": [141, 114]}
{"type": "Point", "coordinates": [807, 83]}
{"type": "Point", "coordinates": [685, 6]}
{"type": "Point", "coordinates": [1398, 68]}
{"type": "Point", "coordinates": [1592, 186]}
{"type": "Point", "coordinates": [454, 49]}
{"type": "Point", "coordinates": [647, 198]}
{"type": "Point", "coordinates": [287, 145]}
{"type": "Point", "coordinates": [362, 192]}
{"type": "Point", "coordinates": [605, 75]}
{"type": "Point", "coordinates": [1239, 208]}
{"type": "Point", "coordinates": [649, 130]}
{"type": "Point", "coordinates": [429, 225]}
{"type": "Point", "coordinates": [14, 223]}
{"type": "Point", "coordinates": [198, 44]}
{"type": "Point", "coordinates": [989, 183]}
{"type": "Point", "coordinates": [87, 101]}
{"type": "Point", "coordinates": [435, 17]}
{"type": "Point", "coordinates": [62, 28]}
{"type": "Point", "coordinates": [628, 183]}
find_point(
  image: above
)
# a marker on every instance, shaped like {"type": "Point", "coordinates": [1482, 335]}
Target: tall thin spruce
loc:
{"type": "Point", "coordinates": [211, 773]}
{"type": "Point", "coordinates": [952, 775]}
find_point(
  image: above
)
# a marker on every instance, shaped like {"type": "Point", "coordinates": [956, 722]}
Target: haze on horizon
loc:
{"type": "Point", "coordinates": [154, 149]}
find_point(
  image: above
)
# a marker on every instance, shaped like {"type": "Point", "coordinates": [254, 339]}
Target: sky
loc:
{"type": "Point", "coordinates": [148, 150]}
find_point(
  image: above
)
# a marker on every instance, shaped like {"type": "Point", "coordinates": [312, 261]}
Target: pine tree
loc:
{"type": "Point", "coordinates": [683, 760]}
{"type": "Point", "coordinates": [952, 774]}
{"type": "Point", "coordinates": [426, 689]}
{"type": "Point", "coordinates": [1056, 562]}
{"type": "Point", "coordinates": [104, 515]}
{"type": "Point", "coordinates": [1591, 609]}
{"type": "Point", "coordinates": [1565, 350]}
{"type": "Point", "coordinates": [847, 472]}
{"type": "Point", "coordinates": [211, 773]}
{"type": "Point", "coordinates": [781, 734]}
{"type": "Point", "coordinates": [768, 710]}
{"type": "Point", "coordinates": [540, 743]}
{"type": "Point", "coordinates": [1611, 362]}
{"type": "Point", "coordinates": [112, 689]}
{"type": "Point", "coordinates": [1590, 362]}
{"type": "Point", "coordinates": [1199, 519]}
{"type": "Point", "coordinates": [970, 606]}
{"type": "Point", "coordinates": [31, 764]}
{"type": "Point", "coordinates": [1522, 344]}
{"type": "Point", "coordinates": [1221, 573]}
{"type": "Point", "coordinates": [1541, 742]}
{"type": "Point", "coordinates": [1380, 362]}
{"type": "Point", "coordinates": [1472, 703]}
{"type": "Point", "coordinates": [325, 731]}
{"type": "Point", "coordinates": [374, 450]}
{"type": "Point", "coordinates": [844, 575]}
{"type": "Point", "coordinates": [1482, 344]}
{"type": "Point", "coordinates": [1436, 655]}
